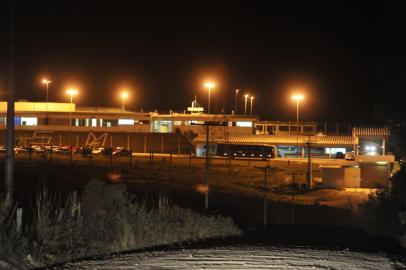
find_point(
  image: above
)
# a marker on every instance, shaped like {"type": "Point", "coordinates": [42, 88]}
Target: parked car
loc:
{"type": "Point", "coordinates": [339, 155]}
{"type": "Point", "coordinates": [350, 155]}
{"type": "Point", "coordinates": [19, 149]}
{"type": "Point", "coordinates": [54, 148]}
{"type": "Point", "coordinates": [98, 151]}
{"type": "Point", "coordinates": [121, 152]}
{"type": "Point", "coordinates": [36, 148]}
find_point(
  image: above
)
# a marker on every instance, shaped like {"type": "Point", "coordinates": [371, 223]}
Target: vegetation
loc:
{"type": "Point", "coordinates": [380, 211]}
{"type": "Point", "coordinates": [107, 219]}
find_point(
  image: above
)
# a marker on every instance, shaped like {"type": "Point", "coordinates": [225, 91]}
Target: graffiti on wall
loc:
{"type": "Point", "coordinates": [93, 141]}
{"type": "Point", "coordinates": [37, 138]}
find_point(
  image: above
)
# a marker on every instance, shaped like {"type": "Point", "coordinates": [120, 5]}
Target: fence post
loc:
{"type": "Point", "coordinates": [50, 154]}
{"type": "Point", "coordinates": [170, 161]}
{"type": "Point", "coordinates": [19, 219]}
{"type": "Point", "coordinates": [74, 203]}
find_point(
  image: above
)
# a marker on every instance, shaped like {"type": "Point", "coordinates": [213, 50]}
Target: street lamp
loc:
{"type": "Point", "coordinates": [72, 92]}
{"type": "Point", "coordinates": [46, 82]}
{"type": "Point", "coordinates": [245, 103]}
{"type": "Point", "coordinates": [251, 98]}
{"type": "Point", "coordinates": [236, 101]}
{"type": "Point", "coordinates": [209, 85]}
{"type": "Point", "coordinates": [124, 96]}
{"type": "Point", "coordinates": [298, 98]}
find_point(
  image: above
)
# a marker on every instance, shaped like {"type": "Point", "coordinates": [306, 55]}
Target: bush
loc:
{"type": "Point", "coordinates": [380, 211]}
{"type": "Point", "coordinates": [111, 220]}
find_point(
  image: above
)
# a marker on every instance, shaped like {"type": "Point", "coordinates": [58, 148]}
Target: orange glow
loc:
{"type": "Point", "coordinates": [124, 94]}
{"type": "Point", "coordinates": [72, 91]}
{"type": "Point", "coordinates": [246, 95]}
{"type": "Point", "coordinates": [298, 97]}
{"type": "Point", "coordinates": [209, 85]}
{"type": "Point", "coordinates": [114, 177]}
{"type": "Point", "coordinates": [202, 188]}
{"type": "Point", "coordinates": [45, 81]}
{"type": "Point", "coordinates": [252, 97]}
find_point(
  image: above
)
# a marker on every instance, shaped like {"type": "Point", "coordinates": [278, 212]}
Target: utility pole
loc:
{"type": "Point", "coordinates": [9, 164]}
{"type": "Point", "coordinates": [309, 165]}
{"type": "Point", "coordinates": [206, 196]}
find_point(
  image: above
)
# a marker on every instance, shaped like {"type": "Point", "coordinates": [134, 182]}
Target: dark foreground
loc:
{"type": "Point", "coordinates": [280, 247]}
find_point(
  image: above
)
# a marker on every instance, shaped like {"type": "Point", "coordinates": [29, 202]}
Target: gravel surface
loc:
{"type": "Point", "coordinates": [242, 257]}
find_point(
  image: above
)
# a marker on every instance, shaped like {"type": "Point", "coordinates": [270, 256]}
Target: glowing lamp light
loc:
{"type": "Point", "coordinates": [124, 94]}
{"type": "Point", "coordinates": [298, 97]}
{"type": "Point", "coordinates": [72, 92]}
{"type": "Point", "coordinates": [209, 85]}
{"type": "Point", "coordinates": [246, 95]}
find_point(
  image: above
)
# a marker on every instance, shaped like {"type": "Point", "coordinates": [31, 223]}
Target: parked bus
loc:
{"type": "Point", "coordinates": [245, 151]}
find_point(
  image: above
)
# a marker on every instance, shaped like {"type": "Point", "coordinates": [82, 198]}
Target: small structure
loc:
{"type": "Point", "coordinates": [341, 177]}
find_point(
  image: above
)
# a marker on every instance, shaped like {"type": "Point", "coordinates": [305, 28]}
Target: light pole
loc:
{"type": "Point", "coordinates": [236, 101]}
{"type": "Point", "coordinates": [298, 98]}
{"type": "Point", "coordinates": [209, 85]}
{"type": "Point", "coordinates": [71, 92]}
{"type": "Point", "coordinates": [245, 103]}
{"type": "Point", "coordinates": [124, 96]}
{"type": "Point", "coordinates": [46, 82]}
{"type": "Point", "coordinates": [252, 99]}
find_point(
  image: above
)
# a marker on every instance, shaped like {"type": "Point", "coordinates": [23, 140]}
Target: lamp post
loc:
{"type": "Point", "coordinates": [124, 96]}
{"type": "Point", "coordinates": [236, 101]}
{"type": "Point", "coordinates": [298, 98]}
{"type": "Point", "coordinates": [209, 85]}
{"type": "Point", "coordinates": [252, 99]}
{"type": "Point", "coordinates": [46, 82]}
{"type": "Point", "coordinates": [71, 92]}
{"type": "Point", "coordinates": [245, 103]}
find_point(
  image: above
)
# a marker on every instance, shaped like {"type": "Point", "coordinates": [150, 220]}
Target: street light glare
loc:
{"type": "Point", "coordinates": [45, 81]}
{"type": "Point", "coordinates": [298, 97]}
{"type": "Point", "coordinates": [72, 91]}
{"type": "Point", "coordinates": [209, 85]}
{"type": "Point", "coordinates": [124, 94]}
{"type": "Point", "coordinates": [252, 97]}
{"type": "Point", "coordinates": [246, 95]}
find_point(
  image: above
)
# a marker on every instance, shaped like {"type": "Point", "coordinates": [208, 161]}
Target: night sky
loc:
{"type": "Point", "coordinates": [347, 57]}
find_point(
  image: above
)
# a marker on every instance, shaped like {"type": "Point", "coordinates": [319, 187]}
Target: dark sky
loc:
{"type": "Point", "coordinates": [341, 53]}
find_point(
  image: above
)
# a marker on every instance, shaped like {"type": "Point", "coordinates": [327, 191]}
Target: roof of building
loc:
{"type": "Point", "coordinates": [280, 139]}
{"type": "Point", "coordinates": [204, 117]}
{"type": "Point", "coordinates": [370, 132]}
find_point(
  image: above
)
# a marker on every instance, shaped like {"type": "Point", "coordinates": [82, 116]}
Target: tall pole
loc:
{"type": "Point", "coordinates": [9, 164]}
{"type": "Point", "coordinates": [47, 90]}
{"type": "Point", "coordinates": [297, 125]}
{"type": "Point", "coordinates": [236, 101]}
{"type": "Point", "coordinates": [245, 104]}
{"type": "Point", "coordinates": [208, 109]}
{"type": "Point", "coordinates": [123, 103]}
{"type": "Point", "coordinates": [251, 98]}
{"type": "Point", "coordinates": [206, 199]}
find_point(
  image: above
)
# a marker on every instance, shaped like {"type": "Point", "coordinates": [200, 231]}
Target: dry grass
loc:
{"type": "Point", "coordinates": [110, 220]}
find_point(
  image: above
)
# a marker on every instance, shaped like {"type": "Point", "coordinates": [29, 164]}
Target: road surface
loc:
{"type": "Point", "coordinates": [241, 257]}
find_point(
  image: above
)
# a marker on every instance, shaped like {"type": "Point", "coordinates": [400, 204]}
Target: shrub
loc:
{"type": "Point", "coordinates": [111, 221]}
{"type": "Point", "coordinates": [380, 211]}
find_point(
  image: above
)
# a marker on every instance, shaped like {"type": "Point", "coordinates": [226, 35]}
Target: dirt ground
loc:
{"type": "Point", "coordinates": [239, 176]}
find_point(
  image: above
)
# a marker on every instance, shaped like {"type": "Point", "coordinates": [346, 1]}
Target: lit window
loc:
{"type": "Point", "coordinates": [29, 121]}
{"type": "Point", "coordinates": [243, 124]}
{"type": "Point", "coordinates": [126, 121]}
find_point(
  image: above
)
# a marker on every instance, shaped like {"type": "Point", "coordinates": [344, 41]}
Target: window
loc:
{"type": "Point", "coordinates": [243, 124]}
{"type": "Point", "coordinates": [29, 121]}
{"type": "Point", "coordinates": [126, 121]}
